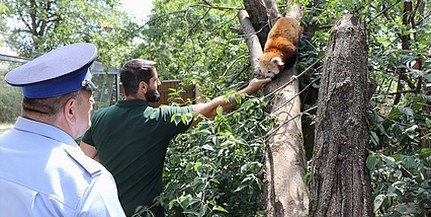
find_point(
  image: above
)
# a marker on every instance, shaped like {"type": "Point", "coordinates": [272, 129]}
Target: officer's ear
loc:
{"type": "Point", "coordinates": [70, 110]}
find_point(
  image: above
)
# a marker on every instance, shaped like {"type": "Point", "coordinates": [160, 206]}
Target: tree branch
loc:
{"type": "Point", "coordinates": [253, 44]}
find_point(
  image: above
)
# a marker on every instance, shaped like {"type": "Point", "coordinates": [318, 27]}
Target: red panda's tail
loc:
{"type": "Point", "coordinates": [295, 11]}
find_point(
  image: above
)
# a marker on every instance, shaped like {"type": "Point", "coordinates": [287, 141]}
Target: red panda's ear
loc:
{"type": "Point", "coordinates": [278, 61]}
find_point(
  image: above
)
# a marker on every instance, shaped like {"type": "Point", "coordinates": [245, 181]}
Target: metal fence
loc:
{"type": "Point", "coordinates": [105, 78]}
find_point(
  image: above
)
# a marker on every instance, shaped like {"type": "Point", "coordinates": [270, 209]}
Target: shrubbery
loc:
{"type": "Point", "coordinates": [10, 104]}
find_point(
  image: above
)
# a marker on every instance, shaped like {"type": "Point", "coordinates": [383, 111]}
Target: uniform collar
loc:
{"type": "Point", "coordinates": [42, 129]}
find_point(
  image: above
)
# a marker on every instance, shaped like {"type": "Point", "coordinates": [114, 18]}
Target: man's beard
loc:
{"type": "Point", "coordinates": [152, 96]}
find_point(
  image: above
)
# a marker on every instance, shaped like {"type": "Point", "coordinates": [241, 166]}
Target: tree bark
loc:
{"type": "Point", "coordinates": [285, 190]}
{"type": "Point", "coordinates": [340, 181]}
{"type": "Point", "coordinates": [252, 40]}
{"type": "Point", "coordinates": [257, 14]}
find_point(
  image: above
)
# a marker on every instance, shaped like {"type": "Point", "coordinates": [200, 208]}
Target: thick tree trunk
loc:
{"type": "Point", "coordinates": [285, 190]}
{"type": "Point", "coordinates": [340, 182]}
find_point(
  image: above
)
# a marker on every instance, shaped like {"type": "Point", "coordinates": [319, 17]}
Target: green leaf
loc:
{"type": "Point", "coordinates": [378, 201]}
{"type": "Point", "coordinates": [395, 113]}
{"type": "Point", "coordinates": [220, 208]}
{"type": "Point", "coordinates": [197, 165]}
{"type": "Point", "coordinates": [3, 8]}
{"type": "Point", "coordinates": [203, 210]}
{"type": "Point", "coordinates": [388, 160]}
{"type": "Point", "coordinates": [374, 138]}
{"type": "Point", "coordinates": [392, 191]}
{"type": "Point", "coordinates": [239, 188]}
{"type": "Point", "coordinates": [219, 111]}
{"type": "Point", "coordinates": [177, 118]}
{"type": "Point", "coordinates": [409, 161]}
{"type": "Point", "coordinates": [425, 152]}
{"type": "Point", "coordinates": [371, 161]}
{"type": "Point", "coordinates": [215, 181]}
{"type": "Point", "coordinates": [185, 201]}
{"type": "Point", "coordinates": [208, 147]}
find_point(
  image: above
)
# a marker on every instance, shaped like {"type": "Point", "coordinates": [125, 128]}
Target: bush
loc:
{"type": "Point", "coordinates": [10, 104]}
{"type": "Point", "coordinates": [217, 168]}
{"type": "Point", "coordinates": [401, 183]}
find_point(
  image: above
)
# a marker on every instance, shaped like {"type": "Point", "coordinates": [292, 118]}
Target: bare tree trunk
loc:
{"type": "Point", "coordinates": [340, 183]}
{"type": "Point", "coordinates": [285, 190]}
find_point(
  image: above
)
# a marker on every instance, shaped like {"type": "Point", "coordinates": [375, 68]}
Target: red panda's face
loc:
{"type": "Point", "coordinates": [270, 65]}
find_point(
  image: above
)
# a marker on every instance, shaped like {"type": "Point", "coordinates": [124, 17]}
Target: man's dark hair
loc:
{"type": "Point", "coordinates": [135, 71]}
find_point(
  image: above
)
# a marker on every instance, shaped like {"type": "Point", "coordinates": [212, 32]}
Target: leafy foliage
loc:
{"type": "Point", "coordinates": [403, 184]}
{"type": "Point", "coordinates": [399, 124]}
{"type": "Point", "coordinates": [217, 169]}
{"type": "Point", "coordinates": [10, 99]}
{"type": "Point", "coordinates": [42, 26]}
{"type": "Point", "coordinates": [9, 104]}
{"type": "Point", "coordinates": [194, 42]}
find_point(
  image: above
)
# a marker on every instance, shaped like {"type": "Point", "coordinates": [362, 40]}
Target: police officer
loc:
{"type": "Point", "coordinates": [43, 172]}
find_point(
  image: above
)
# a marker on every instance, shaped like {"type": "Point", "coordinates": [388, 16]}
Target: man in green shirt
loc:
{"type": "Point", "coordinates": [131, 138]}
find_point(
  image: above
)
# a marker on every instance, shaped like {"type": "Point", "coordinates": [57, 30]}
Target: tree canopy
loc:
{"type": "Point", "coordinates": [40, 26]}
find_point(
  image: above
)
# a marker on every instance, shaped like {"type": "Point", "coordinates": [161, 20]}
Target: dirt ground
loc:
{"type": "Point", "coordinates": [5, 128]}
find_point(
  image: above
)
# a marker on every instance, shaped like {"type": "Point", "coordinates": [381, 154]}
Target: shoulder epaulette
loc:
{"type": "Point", "coordinates": [87, 163]}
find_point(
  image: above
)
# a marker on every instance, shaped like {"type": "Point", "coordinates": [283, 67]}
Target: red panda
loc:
{"type": "Point", "coordinates": [280, 49]}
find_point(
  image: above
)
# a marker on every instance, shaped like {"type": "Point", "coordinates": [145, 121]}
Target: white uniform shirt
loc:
{"type": "Point", "coordinates": [43, 173]}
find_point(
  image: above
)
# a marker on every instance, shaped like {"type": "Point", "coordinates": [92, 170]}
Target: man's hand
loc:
{"type": "Point", "coordinates": [256, 84]}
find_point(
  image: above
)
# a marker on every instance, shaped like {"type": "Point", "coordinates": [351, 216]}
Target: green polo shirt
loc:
{"type": "Point", "coordinates": [131, 139]}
